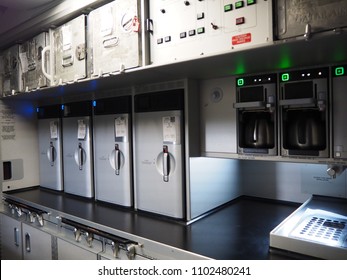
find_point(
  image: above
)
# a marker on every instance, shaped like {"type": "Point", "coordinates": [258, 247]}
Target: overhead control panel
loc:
{"type": "Point", "coordinates": [182, 30]}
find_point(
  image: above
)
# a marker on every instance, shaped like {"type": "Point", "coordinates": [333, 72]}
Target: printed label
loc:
{"type": "Point", "coordinates": [53, 127]}
{"type": "Point", "coordinates": [241, 39]}
{"type": "Point", "coordinates": [171, 129]}
{"type": "Point", "coordinates": [121, 127]}
{"type": "Point", "coordinates": [82, 130]}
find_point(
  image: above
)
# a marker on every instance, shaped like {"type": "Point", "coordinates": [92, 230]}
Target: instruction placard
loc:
{"type": "Point", "coordinates": [121, 127]}
{"type": "Point", "coordinates": [171, 130]}
{"type": "Point", "coordinates": [82, 130]}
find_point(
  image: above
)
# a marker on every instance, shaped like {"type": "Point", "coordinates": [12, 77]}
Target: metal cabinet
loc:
{"type": "Point", "coordinates": [37, 244]}
{"type": "Point", "coordinates": [69, 251]}
{"type": "Point", "coordinates": [11, 240]}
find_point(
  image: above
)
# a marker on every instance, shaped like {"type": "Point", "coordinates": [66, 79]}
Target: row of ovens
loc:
{"type": "Point", "coordinates": [295, 113]}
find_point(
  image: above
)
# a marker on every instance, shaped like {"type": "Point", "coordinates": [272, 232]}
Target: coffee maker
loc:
{"type": "Point", "coordinates": [256, 114]}
{"type": "Point", "coordinates": [304, 113]}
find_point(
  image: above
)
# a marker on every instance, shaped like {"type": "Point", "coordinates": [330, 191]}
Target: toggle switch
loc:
{"type": "Point", "coordinates": [240, 20]}
{"type": "Point", "coordinates": [200, 15]}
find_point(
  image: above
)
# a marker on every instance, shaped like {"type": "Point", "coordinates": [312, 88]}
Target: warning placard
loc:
{"type": "Point", "coordinates": [241, 39]}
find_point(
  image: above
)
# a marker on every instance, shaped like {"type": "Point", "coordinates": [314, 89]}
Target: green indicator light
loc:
{"type": "Point", "coordinates": [240, 82]}
{"type": "Point", "coordinates": [228, 8]}
{"type": "Point", "coordinates": [239, 4]}
{"type": "Point", "coordinates": [201, 30]}
{"type": "Point", "coordinates": [251, 2]}
{"type": "Point", "coordinates": [339, 71]}
{"type": "Point", "coordinates": [285, 77]}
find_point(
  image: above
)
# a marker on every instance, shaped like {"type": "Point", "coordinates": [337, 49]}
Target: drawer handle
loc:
{"type": "Point", "coordinates": [16, 236]}
{"type": "Point", "coordinates": [27, 243]}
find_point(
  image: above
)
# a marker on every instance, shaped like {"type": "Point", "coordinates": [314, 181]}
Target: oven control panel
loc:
{"type": "Point", "coordinates": [182, 30]}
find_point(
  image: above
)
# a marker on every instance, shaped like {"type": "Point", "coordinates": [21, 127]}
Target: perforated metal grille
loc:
{"type": "Point", "coordinates": [322, 229]}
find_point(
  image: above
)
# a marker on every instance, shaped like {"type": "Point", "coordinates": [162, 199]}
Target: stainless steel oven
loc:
{"type": "Point", "coordinates": [256, 114]}
{"type": "Point", "coordinates": [304, 112]}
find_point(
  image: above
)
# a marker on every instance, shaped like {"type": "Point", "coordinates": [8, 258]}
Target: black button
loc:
{"type": "Point", "coordinates": [183, 35]}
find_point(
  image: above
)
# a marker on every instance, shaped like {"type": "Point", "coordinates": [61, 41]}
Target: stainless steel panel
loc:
{"type": "Point", "coordinates": [218, 122]}
{"type": "Point", "coordinates": [339, 112]}
{"type": "Point", "coordinates": [12, 77]}
{"type": "Point", "coordinates": [30, 54]}
{"type": "Point", "coordinates": [112, 157]}
{"type": "Point", "coordinates": [114, 37]}
{"type": "Point", "coordinates": [50, 148]}
{"type": "Point", "coordinates": [295, 18]}
{"type": "Point", "coordinates": [77, 156]}
{"type": "Point", "coordinates": [70, 51]}
{"type": "Point", "coordinates": [156, 190]}
{"type": "Point", "coordinates": [11, 238]}
{"type": "Point", "coordinates": [37, 244]}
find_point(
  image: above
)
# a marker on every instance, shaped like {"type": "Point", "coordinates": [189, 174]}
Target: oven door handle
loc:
{"type": "Point", "coordinates": [117, 162]}
{"type": "Point", "coordinates": [298, 102]}
{"type": "Point", "coordinates": [254, 104]}
{"type": "Point", "coordinates": [51, 153]}
{"type": "Point", "coordinates": [166, 163]}
{"type": "Point", "coordinates": [80, 156]}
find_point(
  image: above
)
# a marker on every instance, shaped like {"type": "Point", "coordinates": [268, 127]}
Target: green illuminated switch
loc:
{"type": "Point", "coordinates": [240, 82]}
{"type": "Point", "coordinates": [285, 77]}
{"type": "Point", "coordinates": [251, 2]}
{"type": "Point", "coordinates": [228, 8]}
{"type": "Point", "coordinates": [339, 71]}
{"type": "Point", "coordinates": [239, 4]}
{"type": "Point", "coordinates": [200, 30]}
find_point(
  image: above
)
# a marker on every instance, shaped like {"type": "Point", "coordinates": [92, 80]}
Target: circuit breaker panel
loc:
{"type": "Point", "coordinates": [182, 30]}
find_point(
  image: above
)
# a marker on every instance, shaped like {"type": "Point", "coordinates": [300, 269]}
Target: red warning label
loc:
{"type": "Point", "coordinates": [241, 39]}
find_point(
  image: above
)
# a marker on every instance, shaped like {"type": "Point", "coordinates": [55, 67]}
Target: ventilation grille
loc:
{"type": "Point", "coordinates": [160, 86]}
{"type": "Point", "coordinates": [326, 230]}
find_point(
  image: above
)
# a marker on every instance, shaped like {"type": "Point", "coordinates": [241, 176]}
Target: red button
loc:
{"type": "Point", "coordinates": [240, 20]}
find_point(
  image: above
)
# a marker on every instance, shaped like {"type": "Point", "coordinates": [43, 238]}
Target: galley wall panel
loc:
{"type": "Point", "coordinates": [218, 117]}
{"type": "Point", "coordinates": [19, 151]}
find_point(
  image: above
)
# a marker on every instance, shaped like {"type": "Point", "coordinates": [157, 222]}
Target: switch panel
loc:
{"type": "Point", "coordinates": [203, 28]}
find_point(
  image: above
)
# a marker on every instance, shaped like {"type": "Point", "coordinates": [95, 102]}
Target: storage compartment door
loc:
{"type": "Point", "coordinates": [160, 162]}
